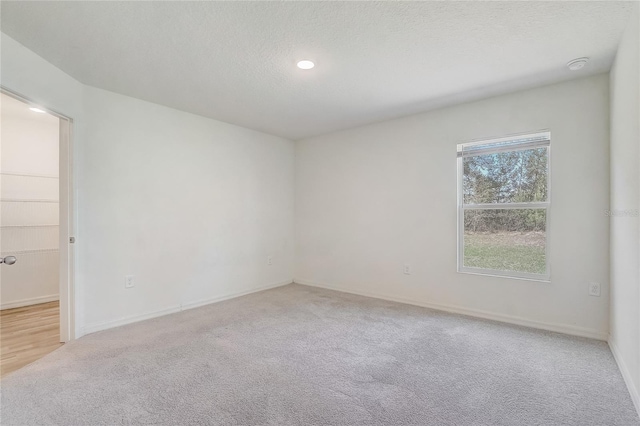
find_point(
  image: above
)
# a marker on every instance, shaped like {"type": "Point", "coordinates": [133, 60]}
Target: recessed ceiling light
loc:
{"type": "Point", "coordinates": [577, 64]}
{"type": "Point", "coordinates": [37, 110]}
{"type": "Point", "coordinates": [306, 65]}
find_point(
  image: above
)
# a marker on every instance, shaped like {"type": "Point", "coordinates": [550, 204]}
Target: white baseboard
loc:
{"type": "Point", "coordinates": [105, 325]}
{"type": "Point", "coordinates": [92, 328]}
{"type": "Point", "coordinates": [29, 302]}
{"type": "Point", "coordinates": [198, 303]}
{"type": "Point", "coordinates": [624, 370]}
{"type": "Point", "coordinates": [559, 328]}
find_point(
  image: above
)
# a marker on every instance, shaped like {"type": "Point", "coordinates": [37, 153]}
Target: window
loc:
{"type": "Point", "coordinates": [503, 206]}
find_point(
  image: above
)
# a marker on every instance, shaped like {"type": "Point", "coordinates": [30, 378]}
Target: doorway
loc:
{"type": "Point", "coordinates": [35, 220]}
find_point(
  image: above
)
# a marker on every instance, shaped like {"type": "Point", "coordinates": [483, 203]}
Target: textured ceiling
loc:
{"type": "Point", "coordinates": [235, 61]}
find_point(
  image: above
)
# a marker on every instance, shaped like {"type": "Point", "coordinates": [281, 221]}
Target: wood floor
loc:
{"type": "Point", "coordinates": [28, 334]}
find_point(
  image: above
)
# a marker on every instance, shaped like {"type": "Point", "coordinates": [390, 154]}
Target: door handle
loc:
{"type": "Point", "coordinates": [9, 260]}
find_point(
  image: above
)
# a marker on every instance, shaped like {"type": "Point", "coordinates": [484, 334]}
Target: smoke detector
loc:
{"type": "Point", "coordinates": [577, 64]}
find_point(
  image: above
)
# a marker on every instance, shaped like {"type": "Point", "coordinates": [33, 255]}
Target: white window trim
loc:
{"type": "Point", "coordinates": [538, 139]}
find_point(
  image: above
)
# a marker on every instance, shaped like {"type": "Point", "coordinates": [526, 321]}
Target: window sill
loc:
{"type": "Point", "coordinates": [493, 274]}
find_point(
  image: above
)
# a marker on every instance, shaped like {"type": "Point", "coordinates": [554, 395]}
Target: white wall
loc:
{"type": "Point", "coordinates": [625, 203]}
{"type": "Point", "coordinates": [370, 199]}
{"type": "Point", "coordinates": [28, 205]}
{"type": "Point", "coordinates": [191, 206]}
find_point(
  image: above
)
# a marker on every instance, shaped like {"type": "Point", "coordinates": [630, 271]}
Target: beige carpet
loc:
{"type": "Point", "coordinates": [303, 356]}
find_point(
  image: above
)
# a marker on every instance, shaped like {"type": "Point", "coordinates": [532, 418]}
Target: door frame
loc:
{"type": "Point", "coordinates": [67, 216]}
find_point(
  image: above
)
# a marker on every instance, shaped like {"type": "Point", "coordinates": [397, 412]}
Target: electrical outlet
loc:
{"type": "Point", "coordinates": [594, 289]}
{"type": "Point", "coordinates": [269, 260]}
{"type": "Point", "coordinates": [406, 269]}
{"type": "Point", "coordinates": [129, 281]}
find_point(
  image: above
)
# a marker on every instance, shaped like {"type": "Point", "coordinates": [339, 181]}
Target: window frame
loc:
{"type": "Point", "coordinates": [540, 139]}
